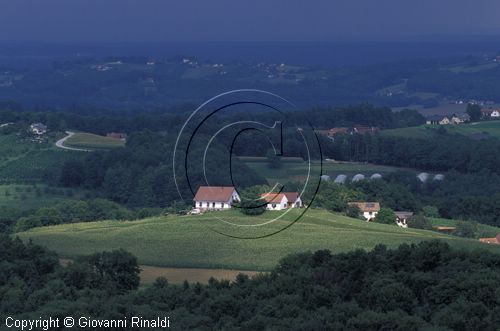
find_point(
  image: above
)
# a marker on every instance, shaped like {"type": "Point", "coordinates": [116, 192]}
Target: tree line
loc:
{"type": "Point", "coordinates": [413, 287]}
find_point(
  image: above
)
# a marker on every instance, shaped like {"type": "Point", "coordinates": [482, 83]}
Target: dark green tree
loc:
{"type": "Point", "coordinates": [251, 203]}
{"type": "Point", "coordinates": [353, 211]}
{"type": "Point", "coordinates": [474, 112]}
{"type": "Point", "coordinates": [386, 216]}
{"type": "Point", "coordinates": [419, 222]}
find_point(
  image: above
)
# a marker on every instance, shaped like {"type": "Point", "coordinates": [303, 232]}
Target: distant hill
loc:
{"type": "Point", "coordinates": [150, 82]}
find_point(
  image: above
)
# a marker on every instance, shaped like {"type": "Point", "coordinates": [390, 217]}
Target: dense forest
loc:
{"type": "Point", "coordinates": [140, 175]}
{"type": "Point", "coordinates": [414, 287]}
{"type": "Point", "coordinates": [438, 152]}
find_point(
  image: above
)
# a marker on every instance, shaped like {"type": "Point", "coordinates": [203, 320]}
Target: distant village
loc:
{"type": "Point", "coordinates": [486, 114]}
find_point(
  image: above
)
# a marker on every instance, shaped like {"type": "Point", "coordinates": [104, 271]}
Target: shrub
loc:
{"type": "Point", "coordinates": [419, 222]}
{"type": "Point", "coordinates": [430, 211]}
{"type": "Point", "coordinates": [251, 204]}
{"type": "Point", "coordinates": [465, 229]}
{"type": "Point", "coordinates": [353, 211]}
{"type": "Point", "coordinates": [386, 216]}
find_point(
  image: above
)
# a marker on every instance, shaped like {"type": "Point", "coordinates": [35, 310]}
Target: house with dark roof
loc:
{"type": "Point", "coordinates": [369, 210]}
{"type": "Point", "coordinates": [215, 197]}
{"type": "Point", "coordinates": [402, 218]}
{"type": "Point", "coordinates": [284, 200]}
{"type": "Point", "coordinates": [489, 113]}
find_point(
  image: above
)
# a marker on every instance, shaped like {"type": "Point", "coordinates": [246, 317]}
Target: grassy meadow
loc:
{"type": "Point", "coordinates": [189, 241]}
{"type": "Point", "coordinates": [93, 141]}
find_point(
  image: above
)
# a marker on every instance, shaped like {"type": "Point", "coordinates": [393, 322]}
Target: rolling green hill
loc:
{"type": "Point", "coordinates": [188, 241]}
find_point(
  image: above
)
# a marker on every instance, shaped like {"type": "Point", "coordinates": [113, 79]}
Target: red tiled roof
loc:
{"type": "Point", "coordinates": [214, 193]}
{"type": "Point", "coordinates": [272, 197]}
{"type": "Point", "coordinates": [291, 196]}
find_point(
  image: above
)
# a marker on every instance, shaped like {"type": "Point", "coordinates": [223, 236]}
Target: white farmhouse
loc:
{"type": "Point", "coordinates": [280, 201]}
{"type": "Point", "coordinates": [215, 197]}
{"type": "Point", "coordinates": [369, 210]}
{"type": "Point", "coordinates": [402, 218]}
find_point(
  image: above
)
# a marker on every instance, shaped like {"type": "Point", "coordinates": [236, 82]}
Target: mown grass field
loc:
{"type": "Point", "coordinates": [189, 241]}
{"type": "Point", "coordinates": [93, 141]}
{"type": "Point", "coordinates": [490, 127]}
{"type": "Point", "coordinates": [297, 171]}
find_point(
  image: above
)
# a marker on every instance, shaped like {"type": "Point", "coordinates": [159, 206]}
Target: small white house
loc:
{"type": "Point", "coordinates": [38, 128]}
{"type": "Point", "coordinates": [369, 210]}
{"type": "Point", "coordinates": [280, 201]}
{"type": "Point", "coordinates": [215, 197]}
{"type": "Point", "coordinates": [402, 218]}
{"type": "Point", "coordinates": [495, 114]}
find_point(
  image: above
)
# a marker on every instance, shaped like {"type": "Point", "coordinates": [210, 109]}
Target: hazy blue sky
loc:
{"type": "Point", "coordinates": [234, 20]}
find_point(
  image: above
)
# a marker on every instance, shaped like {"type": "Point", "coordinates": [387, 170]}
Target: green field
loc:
{"type": "Point", "coordinates": [24, 161]}
{"type": "Point", "coordinates": [93, 141]}
{"type": "Point", "coordinates": [188, 241]}
{"type": "Point", "coordinates": [490, 127]}
{"type": "Point", "coordinates": [297, 171]}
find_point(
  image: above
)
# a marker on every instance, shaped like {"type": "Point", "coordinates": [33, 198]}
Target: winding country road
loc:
{"type": "Point", "coordinates": [60, 143]}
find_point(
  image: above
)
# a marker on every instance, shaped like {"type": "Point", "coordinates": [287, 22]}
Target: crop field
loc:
{"type": "Point", "coordinates": [492, 128]}
{"type": "Point", "coordinates": [93, 141]}
{"type": "Point", "coordinates": [297, 171]}
{"type": "Point", "coordinates": [190, 241]}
